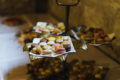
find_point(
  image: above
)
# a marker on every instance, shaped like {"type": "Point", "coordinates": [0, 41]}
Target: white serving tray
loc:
{"type": "Point", "coordinates": [37, 40]}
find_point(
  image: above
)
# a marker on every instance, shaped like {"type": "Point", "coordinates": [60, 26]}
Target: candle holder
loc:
{"type": "Point", "coordinates": [67, 12]}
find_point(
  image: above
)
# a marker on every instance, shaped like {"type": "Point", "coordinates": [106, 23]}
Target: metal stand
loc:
{"type": "Point", "coordinates": [67, 12]}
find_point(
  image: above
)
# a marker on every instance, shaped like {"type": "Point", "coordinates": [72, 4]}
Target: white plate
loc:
{"type": "Point", "coordinates": [37, 40]}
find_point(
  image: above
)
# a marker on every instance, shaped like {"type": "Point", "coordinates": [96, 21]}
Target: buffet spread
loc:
{"type": "Point", "coordinates": [54, 69]}
{"type": "Point", "coordinates": [92, 36]}
{"type": "Point", "coordinates": [50, 46]}
{"type": "Point", "coordinates": [48, 49]}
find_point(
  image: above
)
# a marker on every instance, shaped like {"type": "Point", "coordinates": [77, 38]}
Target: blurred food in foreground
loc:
{"type": "Point", "coordinates": [54, 69]}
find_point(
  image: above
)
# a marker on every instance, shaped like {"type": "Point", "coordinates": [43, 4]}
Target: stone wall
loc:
{"type": "Point", "coordinates": [22, 6]}
{"type": "Point", "coordinates": [57, 11]}
{"type": "Point", "coordinates": [93, 13]}
{"type": "Point", "coordinates": [17, 6]}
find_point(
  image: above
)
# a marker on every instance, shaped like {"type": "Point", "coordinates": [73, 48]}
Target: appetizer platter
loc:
{"type": "Point", "coordinates": [87, 70]}
{"type": "Point", "coordinates": [92, 36]}
{"type": "Point", "coordinates": [42, 29]}
{"type": "Point", "coordinates": [54, 69]}
{"type": "Point", "coordinates": [49, 29]}
{"type": "Point", "coordinates": [45, 68]}
{"type": "Point", "coordinates": [51, 46]}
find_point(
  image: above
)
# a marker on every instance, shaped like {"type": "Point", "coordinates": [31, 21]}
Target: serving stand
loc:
{"type": "Point", "coordinates": [64, 56]}
{"type": "Point", "coordinates": [67, 6]}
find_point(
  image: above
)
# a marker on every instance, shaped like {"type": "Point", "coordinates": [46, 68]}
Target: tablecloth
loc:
{"type": "Point", "coordinates": [11, 53]}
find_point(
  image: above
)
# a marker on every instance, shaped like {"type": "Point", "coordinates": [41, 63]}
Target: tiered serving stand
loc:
{"type": "Point", "coordinates": [64, 56]}
{"type": "Point", "coordinates": [67, 6]}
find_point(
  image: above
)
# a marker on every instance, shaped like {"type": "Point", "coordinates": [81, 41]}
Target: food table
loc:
{"type": "Point", "coordinates": [13, 60]}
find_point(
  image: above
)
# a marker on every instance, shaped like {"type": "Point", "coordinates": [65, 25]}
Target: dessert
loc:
{"type": "Point", "coordinates": [48, 28]}
{"type": "Point", "coordinates": [43, 40]}
{"type": "Point", "coordinates": [61, 26]}
{"type": "Point", "coordinates": [50, 42]}
{"type": "Point", "coordinates": [56, 44]}
{"type": "Point", "coordinates": [59, 39]}
{"type": "Point", "coordinates": [92, 36]}
{"type": "Point", "coordinates": [42, 44]}
{"type": "Point", "coordinates": [41, 69]}
{"type": "Point", "coordinates": [47, 47]}
{"type": "Point", "coordinates": [43, 30]}
{"type": "Point", "coordinates": [54, 69]}
{"type": "Point", "coordinates": [60, 50]}
{"type": "Point", "coordinates": [51, 38]}
{"type": "Point", "coordinates": [27, 36]}
{"type": "Point", "coordinates": [66, 45]}
{"type": "Point", "coordinates": [88, 70]}
{"type": "Point", "coordinates": [50, 46]}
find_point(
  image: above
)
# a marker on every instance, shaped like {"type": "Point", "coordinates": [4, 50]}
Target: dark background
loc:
{"type": "Point", "coordinates": [23, 6]}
